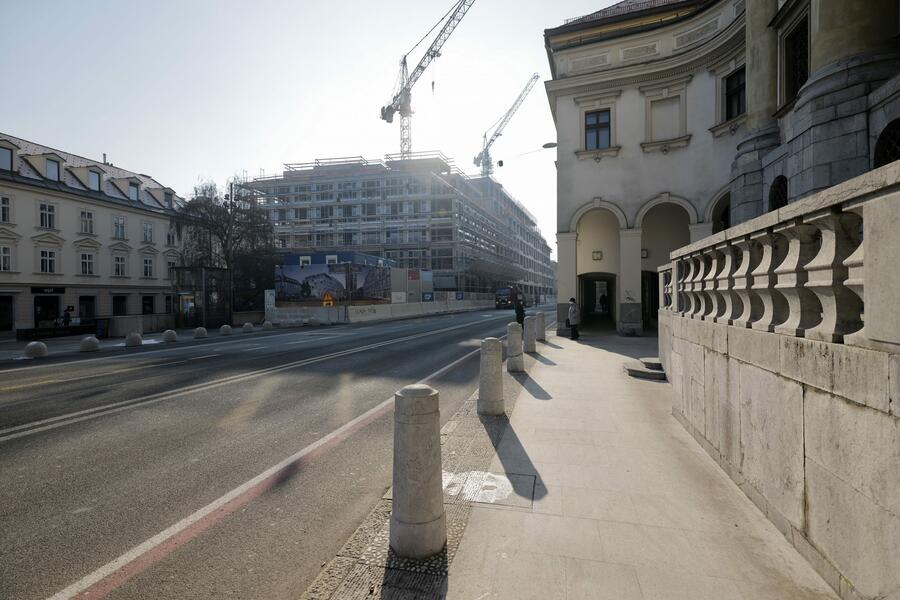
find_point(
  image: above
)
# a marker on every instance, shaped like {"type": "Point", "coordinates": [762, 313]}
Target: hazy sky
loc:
{"type": "Point", "coordinates": [185, 90]}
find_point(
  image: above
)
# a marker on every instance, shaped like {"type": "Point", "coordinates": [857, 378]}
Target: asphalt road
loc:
{"type": "Point", "coordinates": [225, 468]}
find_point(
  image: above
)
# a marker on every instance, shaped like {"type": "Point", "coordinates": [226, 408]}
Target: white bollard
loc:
{"type": "Point", "coordinates": [225, 330]}
{"type": "Point", "coordinates": [418, 522]}
{"type": "Point", "coordinates": [133, 339]}
{"type": "Point", "coordinates": [200, 333]}
{"type": "Point", "coordinates": [247, 328]}
{"type": "Point", "coordinates": [515, 360]}
{"type": "Point", "coordinates": [170, 336]}
{"type": "Point", "coordinates": [540, 327]}
{"type": "Point", "coordinates": [267, 325]}
{"type": "Point", "coordinates": [36, 350]}
{"type": "Point", "coordinates": [528, 341]}
{"type": "Point", "coordinates": [490, 387]}
{"type": "Point", "coordinates": [89, 344]}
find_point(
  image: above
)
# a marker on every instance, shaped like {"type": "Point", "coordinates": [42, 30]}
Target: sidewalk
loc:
{"type": "Point", "coordinates": [592, 491]}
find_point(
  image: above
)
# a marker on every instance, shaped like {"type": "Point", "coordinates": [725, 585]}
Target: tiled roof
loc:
{"type": "Point", "coordinates": [622, 8]}
{"type": "Point", "coordinates": [24, 169]}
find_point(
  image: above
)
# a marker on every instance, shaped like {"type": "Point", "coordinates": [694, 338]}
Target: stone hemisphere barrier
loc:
{"type": "Point", "coordinates": [225, 330]}
{"type": "Point", "coordinates": [418, 522]}
{"type": "Point", "coordinates": [490, 387]}
{"type": "Point", "coordinates": [247, 328]}
{"type": "Point", "coordinates": [267, 325]}
{"type": "Point", "coordinates": [515, 359]}
{"type": "Point", "coordinates": [200, 333]}
{"type": "Point", "coordinates": [89, 344]}
{"type": "Point", "coordinates": [170, 336]}
{"type": "Point", "coordinates": [36, 350]}
{"type": "Point", "coordinates": [529, 341]}
{"type": "Point", "coordinates": [133, 339]}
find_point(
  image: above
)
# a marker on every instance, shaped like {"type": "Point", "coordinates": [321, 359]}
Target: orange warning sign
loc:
{"type": "Point", "coordinates": [327, 299]}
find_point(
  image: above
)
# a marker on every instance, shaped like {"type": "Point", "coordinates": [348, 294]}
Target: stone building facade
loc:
{"type": "Point", "coordinates": [422, 213]}
{"type": "Point", "coordinates": [678, 118]}
{"type": "Point", "coordinates": [80, 233]}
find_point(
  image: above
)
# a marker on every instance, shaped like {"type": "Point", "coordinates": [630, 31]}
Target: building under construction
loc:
{"type": "Point", "coordinates": [421, 212]}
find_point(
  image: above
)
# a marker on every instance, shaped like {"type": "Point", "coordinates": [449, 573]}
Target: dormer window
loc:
{"type": "Point", "coordinates": [5, 159]}
{"type": "Point", "coordinates": [52, 169]}
{"type": "Point", "coordinates": [94, 180]}
{"type": "Point", "coordinates": [133, 190]}
{"type": "Point", "coordinates": [167, 196]}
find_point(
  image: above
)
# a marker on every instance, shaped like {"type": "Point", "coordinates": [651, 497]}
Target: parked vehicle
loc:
{"type": "Point", "coordinates": [506, 297]}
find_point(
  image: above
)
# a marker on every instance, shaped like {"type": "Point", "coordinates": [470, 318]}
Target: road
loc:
{"type": "Point", "coordinates": [225, 468]}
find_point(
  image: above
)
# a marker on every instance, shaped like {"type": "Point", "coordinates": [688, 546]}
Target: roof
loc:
{"type": "Point", "coordinates": [70, 183]}
{"type": "Point", "coordinates": [625, 10]}
{"type": "Point", "coordinates": [623, 7]}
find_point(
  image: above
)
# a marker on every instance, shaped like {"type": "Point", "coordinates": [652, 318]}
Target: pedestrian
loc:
{"type": "Point", "coordinates": [574, 318]}
{"type": "Point", "coordinates": [67, 317]}
{"type": "Point", "coordinates": [520, 312]}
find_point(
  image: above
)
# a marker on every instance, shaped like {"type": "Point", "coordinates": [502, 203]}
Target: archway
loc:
{"type": "Point", "coordinates": [721, 213]}
{"type": "Point", "coordinates": [887, 148]}
{"type": "Point", "coordinates": [597, 261]}
{"type": "Point", "coordinates": [778, 193]}
{"type": "Point", "coordinates": [664, 228]}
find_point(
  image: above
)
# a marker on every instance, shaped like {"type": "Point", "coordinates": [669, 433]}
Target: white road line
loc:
{"type": "Point", "coordinates": [204, 356]}
{"type": "Point", "coordinates": [161, 537]}
{"type": "Point", "coordinates": [91, 413]}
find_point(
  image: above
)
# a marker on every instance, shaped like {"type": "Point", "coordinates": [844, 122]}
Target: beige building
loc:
{"type": "Point", "coordinates": [81, 234]}
{"type": "Point", "coordinates": [669, 129]}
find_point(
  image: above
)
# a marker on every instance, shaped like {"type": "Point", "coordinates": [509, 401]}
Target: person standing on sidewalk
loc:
{"type": "Point", "coordinates": [574, 318]}
{"type": "Point", "coordinates": [520, 311]}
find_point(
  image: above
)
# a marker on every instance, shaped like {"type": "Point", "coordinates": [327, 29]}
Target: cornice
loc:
{"type": "Point", "coordinates": [696, 59]}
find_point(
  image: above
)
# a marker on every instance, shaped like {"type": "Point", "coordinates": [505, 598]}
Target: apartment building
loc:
{"type": "Point", "coordinates": [80, 233]}
{"type": "Point", "coordinates": [421, 212]}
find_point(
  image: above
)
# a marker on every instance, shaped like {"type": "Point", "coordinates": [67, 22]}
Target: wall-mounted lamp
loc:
{"type": "Point", "coordinates": [597, 255]}
{"type": "Point", "coordinates": [645, 253]}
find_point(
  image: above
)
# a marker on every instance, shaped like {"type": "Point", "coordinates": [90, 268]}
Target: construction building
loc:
{"type": "Point", "coordinates": [421, 212]}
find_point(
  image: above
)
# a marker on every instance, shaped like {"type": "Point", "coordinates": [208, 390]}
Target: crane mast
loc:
{"type": "Point", "coordinates": [483, 159]}
{"type": "Point", "coordinates": [402, 100]}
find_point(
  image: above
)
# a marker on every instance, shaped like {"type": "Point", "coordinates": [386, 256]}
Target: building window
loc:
{"type": "Point", "coordinates": [5, 258]}
{"type": "Point", "coordinates": [170, 237]}
{"type": "Point", "coordinates": [48, 261]}
{"type": "Point", "coordinates": [52, 170]}
{"type": "Point", "coordinates": [168, 199]}
{"type": "Point", "coordinates": [778, 194]}
{"type": "Point", "coordinates": [48, 216]}
{"type": "Point", "coordinates": [331, 259]}
{"type": "Point", "coordinates": [133, 190]}
{"type": "Point", "coordinates": [6, 159]}
{"type": "Point", "coordinates": [148, 305]}
{"type": "Point", "coordinates": [94, 180]}
{"type": "Point", "coordinates": [735, 97]}
{"type": "Point", "coordinates": [169, 305]}
{"type": "Point", "coordinates": [120, 306]}
{"type": "Point", "coordinates": [148, 267]}
{"type": "Point", "coordinates": [5, 210]}
{"type": "Point", "coordinates": [796, 59]}
{"type": "Point", "coordinates": [596, 130]}
{"type": "Point", "coordinates": [87, 263]}
{"type": "Point", "coordinates": [119, 266]}
{"type": "Point", "coordinates": [87, 221]}
{"type": "Point", "coordinates": [118, 227]}
{"type": "Point", "coordinates": [148, 233]}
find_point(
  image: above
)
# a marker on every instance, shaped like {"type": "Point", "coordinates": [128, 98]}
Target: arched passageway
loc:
{"type": "Point", "coordinates": [665, 227]}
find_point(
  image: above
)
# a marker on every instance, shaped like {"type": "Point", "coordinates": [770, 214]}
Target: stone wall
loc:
{"type": "Point", "coordinates": [790, 382]}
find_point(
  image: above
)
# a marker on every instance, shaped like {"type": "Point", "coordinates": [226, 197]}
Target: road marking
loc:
{"type": "Point", "coordinates": [141, 557]}
{"type": "Point", "coordinates": [204, 356]}
{"type": "Point", "coordinates": [34, 427]}
{"type": "Point", "coordinates": [91, 376]}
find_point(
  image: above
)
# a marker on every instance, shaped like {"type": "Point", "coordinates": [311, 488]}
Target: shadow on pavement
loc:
{"type": "Point", "coordinates": [543, 359]}
{"type": "Point", "coordinates": [513, 456]}
{"type": "Point", "coordinates": [551, 344]}
{"type": "Point", "coordinates": [533, 387]}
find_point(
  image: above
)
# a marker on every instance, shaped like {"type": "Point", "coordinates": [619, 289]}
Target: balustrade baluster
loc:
{"type": "Point", "coordinates": [804, 310]}
{"type": "Point", "coordinates": [855, 264]}
{"type": "Point", "coordinates": [731, 302]}
{"type": "Point", "coordinates": [696, 285]}
{"type": "Point", "coordinates": [743, 282]}
{"type": "Point", "coordinates": [774, 306]}
{"type": "Point", "coordinates": [826, 274]}
{"type": "Point", "coordinates": [687, 298]}
{"type": "Point", "coordinates": [709, 284]}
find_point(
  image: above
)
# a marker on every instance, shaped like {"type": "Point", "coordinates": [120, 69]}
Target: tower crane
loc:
{"type": "Point", "coordinates": [402, 101]}
{"type": "Point", "coordinates": [483, 159]}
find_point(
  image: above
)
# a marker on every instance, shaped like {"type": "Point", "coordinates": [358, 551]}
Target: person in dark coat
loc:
{"type": "Point", "coordinates": [520, 312]}
{"type": "Point", "coordinates": [574, 318]}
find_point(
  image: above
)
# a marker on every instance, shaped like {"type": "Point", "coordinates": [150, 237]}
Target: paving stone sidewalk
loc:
{"type": "Point", "coordinates": [588, 489]}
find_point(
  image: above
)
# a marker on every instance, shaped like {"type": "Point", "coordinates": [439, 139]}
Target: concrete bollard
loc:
{"type": "Point", "coordinates": [225, 330]}
{"type": "Point", "coordinates": [89, 344]}
{"type": "Point", "coordinates": [200, 333]}
{"type": "Point", "coordinates": [528, 341]}
{"type": "Point", "coordinates": [540, 327]}
{"type": "Point", "coordinates": [490, 388]}
{"type": "Point", "coordinates": [170, 336]}
{"type": "Point", "coordinates": [418, 522]}
{"type": "Point", "coordinates": [515, 360]}
{"type": "Point", "coordinates": [267, 325]}
{"type": "Point", "coordinates": [36, 350]}
{"type": "Point", "coordinates": [133, 339]}
{"type": "Point", "coordinates": [247, 328]}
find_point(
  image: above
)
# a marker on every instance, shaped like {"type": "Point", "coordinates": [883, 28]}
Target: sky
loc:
{"type": "Point", "coordinates": [193, 90]}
